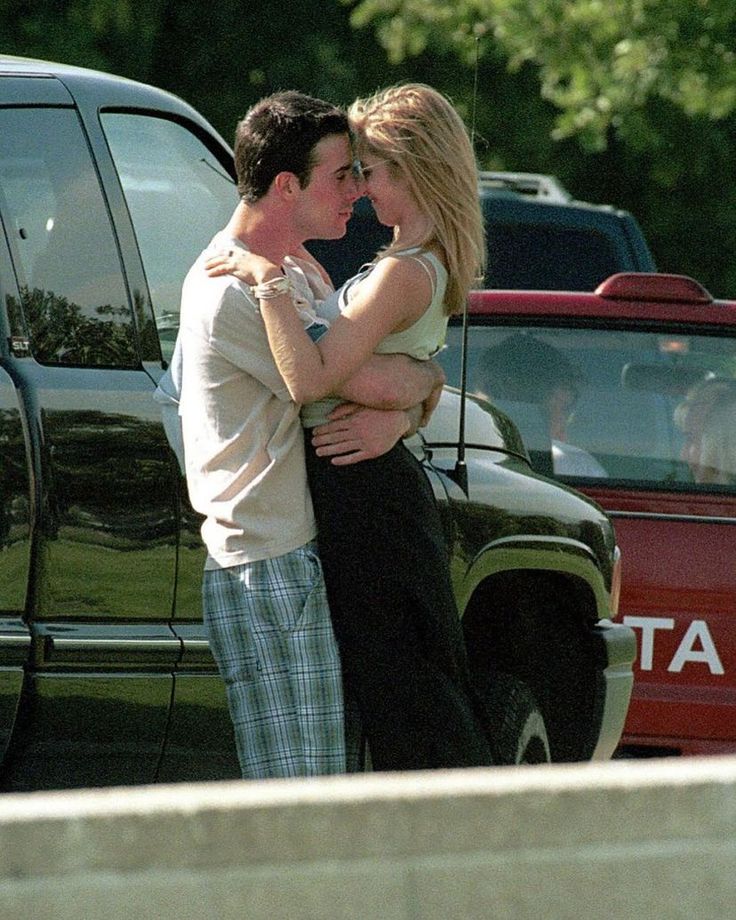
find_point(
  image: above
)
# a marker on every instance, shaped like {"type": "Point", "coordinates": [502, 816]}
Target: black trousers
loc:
{"type": "Point", "coordinates": [394, 614]}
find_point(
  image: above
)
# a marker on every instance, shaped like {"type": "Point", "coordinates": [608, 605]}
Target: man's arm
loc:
{"type": "Point", "coordinates": [387, 399]}
{"type": "Point", "coordinates": [356, 433]}
{"type": "Point", "coordinates": [393, 382]}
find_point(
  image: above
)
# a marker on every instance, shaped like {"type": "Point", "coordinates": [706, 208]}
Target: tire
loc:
{"type": "Point", "coordinates": [519, 732]}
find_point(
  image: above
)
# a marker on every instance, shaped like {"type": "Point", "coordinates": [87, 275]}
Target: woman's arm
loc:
{"type": "Point", "coordinates": [390, 298]}
{"type": "Point", "coordinates": [392, 382]}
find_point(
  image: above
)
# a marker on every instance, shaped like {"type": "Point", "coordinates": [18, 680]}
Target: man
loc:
{"type": "Point", "coordinates": [538, 387]}
{"type": "Point", "coordinates": [264, 601]}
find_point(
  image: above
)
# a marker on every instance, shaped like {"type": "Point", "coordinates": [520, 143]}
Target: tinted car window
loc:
{"type": "Point", "coordinates": [547, 257]}
{"type": "Point", "coordinates": [178, 195]}
{"type": "Point", "coordinates": [71, 282]}
{"type": "Point", "coordinates": [621, 405]}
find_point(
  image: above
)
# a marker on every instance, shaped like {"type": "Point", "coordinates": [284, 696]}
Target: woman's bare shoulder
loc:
{"type": "Point", "coordinates": [403, 270]}
{"type": "Point", "coordinates": [397, 286]}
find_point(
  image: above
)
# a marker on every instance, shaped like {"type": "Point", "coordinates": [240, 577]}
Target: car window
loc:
{"type": "Point", "coordinates": [178, 194]}
{"type": "Point", "coordinates": [622, 405]}
{"type": "Point", "coordinates": [547, 257]}
{"type": "Point", "coordinates": [71, 282]}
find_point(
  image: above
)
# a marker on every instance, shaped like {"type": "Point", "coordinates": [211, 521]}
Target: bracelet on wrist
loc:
{"type": "Point", "coordinates": [274, 287]}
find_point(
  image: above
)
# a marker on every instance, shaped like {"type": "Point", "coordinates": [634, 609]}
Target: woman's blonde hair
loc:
{"type": "Point", "coordinates": [418, 130]}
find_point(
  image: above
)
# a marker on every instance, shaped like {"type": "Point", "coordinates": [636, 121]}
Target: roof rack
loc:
{"type": "Point", "coordinates": [532, 184]}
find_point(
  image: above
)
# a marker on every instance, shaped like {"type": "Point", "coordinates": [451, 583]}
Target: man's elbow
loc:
{"type": "Point", "coordinates": [413, 387]}
{"type": "Point", "coordinates": [393, 395]}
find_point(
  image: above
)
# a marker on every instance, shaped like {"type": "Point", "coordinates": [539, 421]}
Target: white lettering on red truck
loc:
{"type": "Point", "coordinates": [697, 644]}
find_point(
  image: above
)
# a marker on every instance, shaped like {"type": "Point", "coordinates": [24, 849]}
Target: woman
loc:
{"type": "Point", "coordinates": [707, 417]}
{"type": "Point", "coordinates": [381, 538]}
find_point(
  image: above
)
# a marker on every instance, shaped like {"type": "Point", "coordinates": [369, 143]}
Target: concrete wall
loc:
{"type": "Point", "coordinates": [633, 840]}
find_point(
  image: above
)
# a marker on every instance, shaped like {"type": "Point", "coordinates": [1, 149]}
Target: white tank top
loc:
{"type": "Point", "coordinates": [423, 339]}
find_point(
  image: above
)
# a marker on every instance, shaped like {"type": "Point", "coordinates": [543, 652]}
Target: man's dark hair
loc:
{"type": "Point", "coordinates": [279, 134]}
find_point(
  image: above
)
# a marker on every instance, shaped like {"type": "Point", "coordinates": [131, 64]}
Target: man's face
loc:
{"type": "Point", "coordinates": [326, 203]}
{"type": "Point", "coordinates": [560, 402]}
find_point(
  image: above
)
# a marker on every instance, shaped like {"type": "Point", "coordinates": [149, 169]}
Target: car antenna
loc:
{"type": "Point", "coordinates": [461, 469]}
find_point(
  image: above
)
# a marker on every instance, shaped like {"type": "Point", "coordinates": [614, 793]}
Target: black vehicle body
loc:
{"type": "Point", "coordinates": [105, 671]}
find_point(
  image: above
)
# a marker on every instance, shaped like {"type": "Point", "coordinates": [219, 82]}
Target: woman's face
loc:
{"type": "Point", "coordinates": [387, 191]}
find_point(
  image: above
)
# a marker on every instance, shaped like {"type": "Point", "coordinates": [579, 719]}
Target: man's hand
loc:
{"type": "Point", "coordinates": [356, 433]}
{"type": "Point", "coordinates": [248, 267]}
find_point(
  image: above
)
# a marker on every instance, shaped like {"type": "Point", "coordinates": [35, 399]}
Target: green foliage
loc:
{"type": "Point", "coordinates": [641, 107]}
{"type": "Point", "coordinates": [631, 102]}
{"type": "Point", "coordinates": [102, 34]}
{"type": "Point", "coordinates": [599, 61]}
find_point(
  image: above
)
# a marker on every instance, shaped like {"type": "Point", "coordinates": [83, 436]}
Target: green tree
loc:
{"type": "Point", "coordinates": [114, 35]}
{"type": "Point", "coordinates": [599, 61]}
{"type": "Point", "coordinates": [641, 101]}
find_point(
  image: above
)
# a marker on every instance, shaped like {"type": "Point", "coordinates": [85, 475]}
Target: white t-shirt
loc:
{"type": "Point", "coordinates": [243, 446]}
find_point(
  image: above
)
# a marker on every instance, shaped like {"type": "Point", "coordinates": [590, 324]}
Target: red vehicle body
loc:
{"type": "Point", "coordinates": [640, 360]}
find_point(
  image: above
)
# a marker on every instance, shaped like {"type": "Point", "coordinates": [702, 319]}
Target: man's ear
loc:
{"type": "Point", "coordinates": [286, 183]}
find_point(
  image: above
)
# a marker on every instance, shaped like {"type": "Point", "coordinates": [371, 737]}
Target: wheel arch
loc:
{"type": "Point", "coordinates": [528, 609]}
{"type": "Point", "coordinates": [540, 557]}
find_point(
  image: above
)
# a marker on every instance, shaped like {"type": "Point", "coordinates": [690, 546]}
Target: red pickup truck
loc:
{"type": "Point", "coordinates": [628, 394]}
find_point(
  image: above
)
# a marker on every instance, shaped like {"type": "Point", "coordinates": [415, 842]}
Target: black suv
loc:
{"type": "Point", "coordinates": [537, 237]}
{"type": "Point", "coordinates": [108, 191]}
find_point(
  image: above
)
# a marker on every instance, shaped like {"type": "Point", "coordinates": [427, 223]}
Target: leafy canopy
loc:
{"type": "Point", "coordinates": [599, 61]}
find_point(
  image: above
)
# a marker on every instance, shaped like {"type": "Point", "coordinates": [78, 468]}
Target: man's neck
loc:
{"type": "Point", "coordinates": [264, 230]}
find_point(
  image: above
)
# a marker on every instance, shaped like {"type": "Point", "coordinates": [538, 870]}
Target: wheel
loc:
{"type": "Point", "coordinates": [519, 732]}
{"type": "Point", "coordinates": [537, 627]}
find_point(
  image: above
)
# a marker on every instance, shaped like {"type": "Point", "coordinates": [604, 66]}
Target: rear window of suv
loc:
{"type": "Point", "coordinates": [531, 244]}
{"type": "Point", "coordinates": [548, 257]}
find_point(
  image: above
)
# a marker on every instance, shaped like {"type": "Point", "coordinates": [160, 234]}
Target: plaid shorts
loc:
{"type": "Point", "coordinates": [269, 629]}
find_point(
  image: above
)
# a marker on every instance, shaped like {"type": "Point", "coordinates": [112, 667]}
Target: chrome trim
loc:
{"type": "Point", "coordinates": [196, 645]}
{"type": "Point", "coordinates": [19, 641]}
{"type": "Point", "coordinates": [114, 645]}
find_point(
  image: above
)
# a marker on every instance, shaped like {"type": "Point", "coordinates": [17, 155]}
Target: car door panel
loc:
{"type": "Point", "coordinates": [98, 683]}
{"type": "Point", "coordinates": [684, 624]}
{"type": "Point", "coordinates": [15, 540]}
